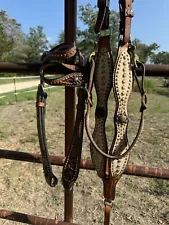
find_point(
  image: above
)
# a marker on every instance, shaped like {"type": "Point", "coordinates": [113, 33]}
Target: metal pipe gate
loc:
{"type": "Point", "coordinates": [70, 36]}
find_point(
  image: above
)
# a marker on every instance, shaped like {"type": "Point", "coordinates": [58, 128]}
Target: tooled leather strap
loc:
{"type": "Point", "coordinates": [102, 22]}
{"type": "Point", "coordinates": [121, 118]}
{"type": "Point", "coordinates": [73, 79]}
{"type": "Point", "coordinates": [72, 162]}
{"type": "Point", "coordinates": [122, 87]}
{"type": "Point", "coordinates": [103, 84]}
{"type": "Point", "coordinates": [125, 8]}
{"type": "Point", "coordinates": [102, 79]}
{"type": "Point", "coordinates": [76, 75]}
{"type": "Point", "coordinates": [126, 14]}
{"type": "Point", "coordinates": [40, 110]}
{"type": "Point", "coordinates": [115, 168]}
{"type": "Point", "coordinates": [62, 51]}
{"type": "Point", "coordinates": [118, 155]}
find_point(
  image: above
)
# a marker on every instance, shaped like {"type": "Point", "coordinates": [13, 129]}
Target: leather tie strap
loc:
{"type": "Point", "coordinates": [102, 22]}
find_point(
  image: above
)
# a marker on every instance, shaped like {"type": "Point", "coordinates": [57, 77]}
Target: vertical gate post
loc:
{"type": "Point", "coordinates": [70, 36]}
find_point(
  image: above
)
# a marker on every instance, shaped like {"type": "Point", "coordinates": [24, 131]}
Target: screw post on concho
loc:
{"type": "Point", "coordinates": [110, 163]}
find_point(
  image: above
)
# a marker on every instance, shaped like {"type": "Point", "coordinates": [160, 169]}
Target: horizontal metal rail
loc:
{"type": "Point", "coordinates": [29, 219]}
{"type": "Point", "coordinates": [18, 78]}
{"type": "Point", "coordinates": [152, 70]}
{"type": "Point", "coordinates": [133, 170]}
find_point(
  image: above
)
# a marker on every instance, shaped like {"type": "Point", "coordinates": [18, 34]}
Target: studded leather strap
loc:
{"type": "Point", "coordinates": [56, 56]}
{"type": "Point", "coordinates": [71, 165]}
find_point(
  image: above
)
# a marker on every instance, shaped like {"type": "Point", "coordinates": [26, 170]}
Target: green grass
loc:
{"type": "Point", "coordinates": [12, 80]}
{"type": "Point", "coordinates": [159, 187]}
{"type": "Point", "coordinates": [153, 85]}
{"type": "Point", "coordinates": [30, 139]}
{"type": "Point", "coordinates": [3, 134]}
{"type": "Point", "coordinates": [11, 98]}
{"type": "Point", "coordinates": [137, 198]}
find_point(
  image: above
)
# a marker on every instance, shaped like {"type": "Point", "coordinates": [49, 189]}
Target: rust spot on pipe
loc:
{"type": "Point", "coordinates": [29, 219]}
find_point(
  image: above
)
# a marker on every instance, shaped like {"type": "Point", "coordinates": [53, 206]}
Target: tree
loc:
{"type": "Point", "coordinates": [37, 43]}
{"type": "Point", "coordinates": [6, 44]}
{"type": "Point", "coordinates": [87, 38]}
{"type": "Point", "coordinates": [12, 39]}
{"type": "Point", "coordinates": [145, 52]}
{"type": "Point", "coordinates": [160, 58]}
{"type": "Point", "coordinates": [15, 46]}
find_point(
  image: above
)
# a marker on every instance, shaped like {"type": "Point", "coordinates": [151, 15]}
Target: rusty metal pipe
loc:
{"type": "Point", "coordinates": [70, 36]}
{"type": "Point", "coordinates": [25, 68]}
{"type": "Point", "coordinates": [145, 171]}
{"type": "Point", "coordinates": [29, 219]}
{"type": "Point", "coordinates": [155, 70]}
{"type": "Point", "coordinates": [152, 70]}
{"type": "Point", "coordinates": [133, 170]}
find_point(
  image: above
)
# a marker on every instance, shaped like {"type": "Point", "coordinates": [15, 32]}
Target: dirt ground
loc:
{"type": "Point", "coordinates": [138, 200]}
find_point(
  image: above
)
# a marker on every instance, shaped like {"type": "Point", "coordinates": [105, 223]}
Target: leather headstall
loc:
{"type": "Point", "coordinates": [110, 162]}
{"type": "Point", "coordinates": [106, 73]}
{"type": "Point", "coordinates": [71, 75]}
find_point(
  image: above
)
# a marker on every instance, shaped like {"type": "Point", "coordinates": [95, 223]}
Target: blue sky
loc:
{"type": "Point", "coordinates": [150, 23]}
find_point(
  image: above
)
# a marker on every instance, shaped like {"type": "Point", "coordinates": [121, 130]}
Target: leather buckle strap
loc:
{"type": "Point", "coordinates": [72, 79]}
{"type": "Point", "coordinates": [71, 165]}
{"type": "Point", "coordinates": [60, 52]}
{"type": "Point", "coordinates": [126, 14]}
{"type": "Point", "coordinates": [72, 75]}
{"type": "Point", "coordinates": [102, 22]}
